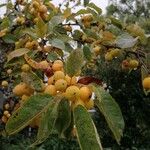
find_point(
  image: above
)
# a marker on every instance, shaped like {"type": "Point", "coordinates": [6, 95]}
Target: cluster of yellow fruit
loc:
{"type": "Point", "coordinates": [38, 8]}
{"type": "Point", "coordinates": [63, 84]}
{"type": "Point", "coordinates": [86, 20]}
{"type": "Point", "coordinates": [146, 83]}
{"type": "Point", "coordinates": [6, 113]}
{"type": "Point", "coordinates": [20, 20]}
{"type": "Point", "coordinates": [130, 64]}
{"type": "Point", "coordinates": [31, 44]}
{"type": "Point", "coordinates": [112, 53]}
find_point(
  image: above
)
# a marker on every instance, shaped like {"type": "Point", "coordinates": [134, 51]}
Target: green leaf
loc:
{"type": "Point", "coordinates": [126, 41]}
{"type": "Point", "coordinates": [82, 11]}
{"type": "Point", "coordinates": [52, 56]}
{"type": "Point", "coordinates": [96, 8]}
{"type": "Point", "coordinates": [58, 43]}
{"type": "Point", "coordinates": [116, 22]}
{"type": "Point", "coordinates": [17, 53]}
{"type": "Point", "coordinates": [86, 2]}
{"type": "Point", "coordinates": [32, 80]}
{"type": "Point", "coordinates": [87, 52]}
{"type": "Point", "coordinates": [64, 117]}
{"type": "Point", "coordinates": [86, 131]}
{"type": "Point", "coordinates": [48, 121]}
{"type": "Point", "coordinates": [25, 114]}
{"type": "Point", "coordinates": [41, 28]}
{"type": "Point", "coordinates": [9, 38]}
{"type": "Point", "coordinates": [56, 20]}
{"type": "Point", "coordinates": [111, 111]}
{"type": "Point", "coordinates": [74, 62]}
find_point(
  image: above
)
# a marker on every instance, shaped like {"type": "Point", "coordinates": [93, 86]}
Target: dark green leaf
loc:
{"type": "Point", "coordinates": [74, 62]}
{"type": "Point", "coordinates": [96, 8]}
{"type": "Point", "coordinates": [9, 38]}
{"type": "Point", "coordinates": [111, 111]}
{"type": "Point", "coordinates": [64, 117]}
{"type": "Point", "coordinates": [24, 115]}
{"type": "Point", "coordinates": [86, 131]}
{"type": "Point", "coordinates": [86, 2]}
{"type": "Point", "coordinates": [87, 52]}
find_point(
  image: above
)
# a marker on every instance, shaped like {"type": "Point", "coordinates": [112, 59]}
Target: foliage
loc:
{"type": "Point", "coordinates": [45, 44]}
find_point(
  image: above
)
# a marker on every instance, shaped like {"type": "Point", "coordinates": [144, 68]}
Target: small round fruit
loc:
{"type": "Point", "coordinates": [4, 119]}
{"type": "Point", "coordinates": [59, 62]}
{"type": "Point", "coordinates": [25, 68]}
{"type": "Point", "coordinates": [4, 83]}
{"type": "Point", "coordinates": [133, 64]}
{"type": "Point", "coordinates": [87, 18]}
{"type": "Point", "coordinates": [51, 80]}
{"type": "Point", "coordinates": [6, 106]}
{"type": "Point", "coordinates": [8, 115]}
{"type": "Point", "coordinates": [50, 89]}
{"type": "Point", "coordinates": [89, 104]}
{"type": "Point", "coordinates": [24, 97]}
{"type": "Point", "coordinates": [61, 85]}
{"type": "Point", "coordinates": [115, 52]}
{"type": "Point", "coordinates": [72, 93]}
{"type": "Point", "coordinates": [43, 64]}
{"type": "Point", "coordinates": [68, 28]}
{"type": "Point", "coordinates": [6, 112]}
{"type": "Point", "coordinates": [73, 80]}
{"type": "Point", "coordinates": [22, 89]}
{"type": "Point", "coordinates": [9, 71]}
{"type": "Point", "coordinates": [146, 83]}
{"type": "Point", "coordinates": [108, 57]}
{"type": "Point", "coordinates": [85, 93]}
{"type": "Point", "coordinates": [42, 9]}
{"type": "Point", "coordinates": [59, 75]}
{"type": "Point", "coordinates": [68, 79]}
{"type": "Point", "coordinates": [97, 50]}
{"type": "Point", "coordinates": [57, 66]}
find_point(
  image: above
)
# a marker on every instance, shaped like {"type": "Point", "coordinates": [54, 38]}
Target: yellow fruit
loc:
{"type": "Point", "coordinates": [28, 45]}
{"type": "Point", "coordinates": [78, 102]}
{"type": "Point", "coordinates": [146, 83]}
{"type": "Point", "coordinates": [133, 64]}
{"type": "Point", "coordinates": [108, 57]}
{"type": "Point", "coordinates": [25, 68]}
{"type": "Point", "coordinates": [42, 9]}
{"type": "Point", "coordinates": [51, 80]}
{"type": "Point", "coordinates": [73, 80]}
{"type": "Point", "coordinates": [47, 48]}
{"type": "Point", "coordinates": [59, 62]}
{"type": "Point", "coordinates": [43, 64]}
{"type": "Point", "coordinates": [59, 75]}
{"type": "Point", "coordinates": [115, 52]}
{"type": "Point", "coordinates": [68, 79]}
{"type": "Point", "coordinates": [50, 89]}
{"type": "Point", "coordinates": [36, 4]}
{"type": "Point", "coordinates": [4, 119]}
{"type": "Point", "coordinates": [9, 71]}
{"type": "Point", "coordinates": [6, 106]}
{"type": "Point", "coordinates": [22, 89]}
{"type": "Point", "coordinates": [4, 83]}
{"type": "Point", "coordinates": [72, 93]}
{"type": "Point", "coordinates": [97, 50]}
{"type": "Point", "coordinates": [87, 18]}
{"type": "Point", "coordinates": [8, 115]}
{"type": "Point", "coordinates": [24, 97]}
{"type": "Point", "coordinates": [57, 66]}
{"type": "Point", "coordinates": [20, 20]}
{"type": "Point", "coordinates": [61, 85]}
{"type": "Point", "coordinates": [87, 24]}
{"type": "Point", "coordinates": [89, 104]}
{"type": "Point", "coordinates": [85, 93]}
{"type": "Point", "coordinates": [6, 112]}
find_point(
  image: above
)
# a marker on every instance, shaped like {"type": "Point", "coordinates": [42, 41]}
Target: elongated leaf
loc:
{"type": "Point", "coordinates": [86, 131]}
{"type": "Point", "coordinates": [126, 41]}
{"type": "Point", "coordinates": [41, 28]}
{"type": "Point", "coordinates": [64, 117]}
{"type": "Point", "coordinates": [87, 52]}
{"type": "Point", "coordinates": [25, 114]}
{"type": "Point", "coordinates": [74, 62]}
{"type": "Point", "coordinates": [58, 43]}
{"type": "Point", "coordinates": [96, 8]}
{"type": "Point", "coordinates": [57, 20]}
{"type": "Point", "coordinates": [48, 121]}
{"type": "Point", "coordinates": [33, 80]}
{"type": "Point", "coordinates": [111, 111]}
{"type": "Point", "coordinates": [17, 53]}
{"type": "Point", "coordinates": [9, 38]}
{"type": "Point", "coordinates": [116, 22]}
